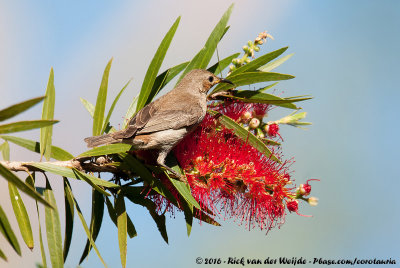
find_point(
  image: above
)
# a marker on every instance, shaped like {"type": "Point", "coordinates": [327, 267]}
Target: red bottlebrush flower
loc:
{"type": "Point", "coordinates": [273, 130]}
{"type": "Point", "coordinates": [227, 173]}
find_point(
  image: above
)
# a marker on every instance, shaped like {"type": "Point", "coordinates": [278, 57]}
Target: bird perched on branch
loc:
{"type": "Point", "coordinates": [164, 122]}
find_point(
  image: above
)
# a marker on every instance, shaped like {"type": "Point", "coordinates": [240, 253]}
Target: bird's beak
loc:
{"type": "Point", "coordinates": [223, 80]}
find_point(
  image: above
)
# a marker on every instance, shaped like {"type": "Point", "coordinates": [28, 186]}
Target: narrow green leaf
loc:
{"type": "Point", "coordinates": [69, 219]}
{"type": "Point", "coordinates": [111, 211]}
{"type": "Point", "coordinates": [259, 97]}
{"type": "Point", "coordinates": [155, 65]}
{"type": "Point", "coordinates": [85, 227]}
{"type": "Point", "coordinates": [267, 87]}
{"type": "Point", "coordinates": [131, 163]}
{"type": "Point", "coordinates": [188, 211]}
{"type": "Point", "coordinates": [198, 214]}
{"type": "Point", "coordinates": [25, 125]}
{"type": "Point", "coordinates": [272, 65]}
{"type": "Point", "coordinates": [88, 106]}
{"type": "Point", "coordinates": [95, 221]}
{"type": "Point", "coordinates": [67, 172]}
{"type": "Point", "coordinates": [163, 79]}
{"type": "Point", "coordinates": [48, 114]}
{"type": "Point", "coordinates": [255, 64]}
{"type": "Point", "coordinates": [182, 187]}
{"type": "Point", "coordinates": [30, 180]}
{"type": "Point", "coordinates": [6, 230]}
{"type": "Point", "coordinates": [203, 57]}
{"type": "Point", "coordinates": [5, 151]}
{"type": "Point", "coordinates": [122, 227]}
{"type": "Point", "coordinates": [21, 215]}
{"type": "Point", "coordinates": [107, 149]}
{"type": "Point", "coordinates": [222, 64]}
{"type": "Point", "coordinates": [8, 175]}
{"type": "Point", "coordinates": [2, 255]}
{"type": "Point", "coordinates": [98, 116]}
{"type": "Point", "coordinates": [56, 152]}
{"type": "Point", "coordinates": [249, 78]}
{"type": "Point", "coordinates": [225, 31]}
{"type": "Point", "coordinates": [151, 207]}
{"type": "Point", "coordinates": [18, 108]}
{"type": "Point", "coordinates": [245, 135]}
{"type": "Point", "coordinates": [89, 180]}
{"type": "Point", "coordinates": [113, 106]}
{"type": "Point", "coordinates": [131, 111]}
{"type": "Point", "coordinates": [53, 229]}
{"type": "Point", "coordinates": [131, 228]}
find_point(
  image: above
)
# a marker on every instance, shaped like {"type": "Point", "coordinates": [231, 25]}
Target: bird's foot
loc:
{"type": "Point", "coordinates": [180, 177]}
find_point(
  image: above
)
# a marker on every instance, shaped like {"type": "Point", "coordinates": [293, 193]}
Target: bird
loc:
{"type": "Point", "coordinates": [163, 123]}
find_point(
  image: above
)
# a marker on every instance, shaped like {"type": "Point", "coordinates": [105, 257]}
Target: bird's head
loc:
{"type": "Point", "coordinates": [203, 79]}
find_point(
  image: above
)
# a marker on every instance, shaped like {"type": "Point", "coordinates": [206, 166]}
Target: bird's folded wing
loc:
{"type": "Point", "coordinates": [137, 122]}
{"type": "Point", "coordinates": [172, 119]}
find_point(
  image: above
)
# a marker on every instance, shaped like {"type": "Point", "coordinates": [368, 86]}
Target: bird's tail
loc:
{"type": "Point", "coordinates": [100, 140]}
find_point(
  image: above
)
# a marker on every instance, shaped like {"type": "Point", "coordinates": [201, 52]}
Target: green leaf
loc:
{"type": "Point", "coordinates": [267, 87]}
{"type": "Point", "coordinates": [2, 255]}
{"type": "Point", "coordinates": [21, 215]}
{"type": "Point", "coordinates": [8, 175]}
{"type": "Point", "coordinates": [249, 78]}
{"type": "Point", "coordinates": [88, 106]}
{"type": "Point", "coordinates": [67, 172]}
{"type": "Point", "coordinates": [203, 57]}
{"type": "Point", "coordinates": [5, 151]}
{"type": "Point", "coordinates": [48, 114]}
{"type": "Point", "coordinates": [163, 79]}
{"type": "Point", "coordinates": [98, 116]}
{"type": "Point", "coordinates": [245, 135]}
{"type": "Point", "coordinates": [113, 106]}
{"type": "Point", "coordinates": [151, 207]}
{"type": "Point", "coordinates": [255, 64]}
{"type": "Point", "coordinates": [107, 149]}
{"type": "Point", "coordinates": [183, 188]}
{"type": "Point", "coordinates": [56, 152]}
{"type": "Point", "coordinates": [259, 97]}
{"type": "Point", "coordinates": [30, 180]}
{"type": "Point", "coordinates": [53, 229]}
{"type": "Point", "coordinates": [69, 219]}
{"type": "Point", "coordinates": [18, 108]}
{"type": "Point", "coordinates": [95, 221]}
{"type": "Point", "coordinates": [5, 229]}
{"type": "Point", "coordinates": [222, 64]}
{"type": "Point", "coordinates": [188, 211]}
{"type": "Point", "coordinates": [122, 227]}
{"type": "Point", "coordinates": [25, 125]}
{"type": "Point", "coordinates": [89, 180]}
{"type": "Point", "coordinates": [131, 228]}
{"type": "Point", "coordinates": [272, 65]}
{"type": "Point", "coordinates": [198, 214]}
{"type": "Point", "coordinates": [85, 227]}
{"type": "Point", "coordinates": [131, 111]}
{"type": "Point", "coordinates": [134, 165]}
{"type": "Point", "coordinates": [155, 65]}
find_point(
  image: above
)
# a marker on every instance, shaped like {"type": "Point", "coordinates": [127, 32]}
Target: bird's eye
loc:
{"type": "Point", "coordinates": [211, 79]}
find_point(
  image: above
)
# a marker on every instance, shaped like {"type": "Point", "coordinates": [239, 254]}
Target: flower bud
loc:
{"type": "Point", "coordinates": [246, 116]}
{"type": "Point", "coordinates": [250, 43]}
{"type": "Point", "coordinates": [257, 49]}
{"type": "Point", "coordinates": [254, 123]}
{"type": "Point", "coordinates": [248, 60]}
{"type": "Point", "coordinates": [260, 134]}
{"type": "Point", "coordinates": [313, 201]}
{"type": "Point", "coordinates": [292, 205]}
{"type": "Point", "coordinates": [246, 49]}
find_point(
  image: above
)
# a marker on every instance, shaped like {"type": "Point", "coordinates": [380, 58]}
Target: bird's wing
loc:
{"type": "Point", "coordinates": [137, 122]}
{"type": "Point", "coordinates": [173, 118]}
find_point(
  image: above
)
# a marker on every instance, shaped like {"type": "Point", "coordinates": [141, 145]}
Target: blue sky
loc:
{"type": "Point", "coordinates": [346, 56]}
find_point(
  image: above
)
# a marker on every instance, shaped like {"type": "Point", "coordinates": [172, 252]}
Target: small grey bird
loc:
{"type": "Point", "coordinates": [164, 122]}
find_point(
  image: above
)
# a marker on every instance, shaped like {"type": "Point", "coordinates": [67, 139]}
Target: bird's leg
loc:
{"type": "Point", "coordinates": [161, 161]}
